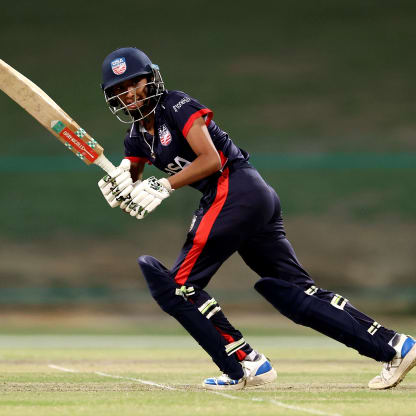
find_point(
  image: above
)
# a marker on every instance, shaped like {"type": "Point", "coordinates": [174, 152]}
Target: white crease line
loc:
{"type": "Point", "coordinates": [303, 409]}
{"type": "Point", "coordinates": [99, 373]}
{"type": "Point", "coordinates": [228, 396]}
{"type": "Point", "coordinates": [150, 383]}
{"type": "Point", "coordinates": [68, 370]}
{"type": "Point", "coordinates": [277, 403]}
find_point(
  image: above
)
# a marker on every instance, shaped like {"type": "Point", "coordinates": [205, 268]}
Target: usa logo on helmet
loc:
{"type": "Point", "coordinates": [164, 135]}
{"type": "Point", "coordinates": [119, 66]}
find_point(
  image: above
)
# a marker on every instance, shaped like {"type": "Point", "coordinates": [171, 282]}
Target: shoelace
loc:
{"type": "Point", "coordinates": [387, 367]}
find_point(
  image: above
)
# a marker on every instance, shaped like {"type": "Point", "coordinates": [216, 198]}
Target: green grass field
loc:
{"type": "Point", "coordinates": [161, 375]}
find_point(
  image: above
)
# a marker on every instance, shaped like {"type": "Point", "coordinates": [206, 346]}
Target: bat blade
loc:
{"type": "Point", "coordinates": [40, 106]}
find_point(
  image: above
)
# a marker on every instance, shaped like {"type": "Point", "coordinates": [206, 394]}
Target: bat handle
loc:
{"type": "Point", "coordinates": [104, 163]}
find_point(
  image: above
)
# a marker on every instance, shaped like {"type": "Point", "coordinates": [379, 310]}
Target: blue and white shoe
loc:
{"type": "Point", "coordinates": [394, 372]}
{"type": "Point", "coordinates": [223, 382]}
{"type": "Point", "coordinates": [258, 372]}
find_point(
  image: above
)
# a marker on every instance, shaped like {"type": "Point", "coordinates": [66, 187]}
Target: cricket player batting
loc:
{"type": "Point", "coordinates": [238, 212]}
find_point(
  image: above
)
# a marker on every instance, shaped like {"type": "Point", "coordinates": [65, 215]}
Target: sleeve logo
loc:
{"type": "Point", "coordinates": [180, 103]}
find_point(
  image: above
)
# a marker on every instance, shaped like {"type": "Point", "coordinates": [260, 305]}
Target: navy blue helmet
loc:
{"type": "Point", "coordinates": [130, 64]}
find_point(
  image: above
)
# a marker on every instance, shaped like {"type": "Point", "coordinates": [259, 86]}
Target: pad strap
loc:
{"type": "Point", "coordinates": [235, 346]}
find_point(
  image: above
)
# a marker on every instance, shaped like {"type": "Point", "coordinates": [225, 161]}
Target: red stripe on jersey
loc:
{"type": "Point", "coordinates": [137, 159]}
{"type": "Point", "coordinates": [202, 233]}
{"type": "Point", "coordinates": [194, 116]}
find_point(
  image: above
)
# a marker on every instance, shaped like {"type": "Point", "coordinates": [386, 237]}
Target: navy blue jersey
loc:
{"type": "Point", "coordinates": [168, 150]}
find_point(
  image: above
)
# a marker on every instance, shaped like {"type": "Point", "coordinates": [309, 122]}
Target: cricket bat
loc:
{"type": "Point", "coordinates": [39, 105]}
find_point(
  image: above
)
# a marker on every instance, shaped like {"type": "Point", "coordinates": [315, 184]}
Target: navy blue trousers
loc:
{"type": "Point", "coordinates": [242, 213]}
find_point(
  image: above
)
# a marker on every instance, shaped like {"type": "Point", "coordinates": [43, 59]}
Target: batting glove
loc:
{"type": "Point", "coordinates": [117, 185]}
{"type": "Point", "coordinates": [126, 199]}
{"type": "Point", "coordinates": [147, 196]}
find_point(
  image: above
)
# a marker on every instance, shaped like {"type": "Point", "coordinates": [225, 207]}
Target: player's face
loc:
{"type": "Point", "coordinates": [132, 92]}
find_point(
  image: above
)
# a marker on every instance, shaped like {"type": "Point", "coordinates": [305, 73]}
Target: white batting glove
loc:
{"type": "Point", "coordinates": [117, 185]}
{"type": "Point", "coordinates": [147, 196]}
{"type": "Point", "coordinates": [126, 199]}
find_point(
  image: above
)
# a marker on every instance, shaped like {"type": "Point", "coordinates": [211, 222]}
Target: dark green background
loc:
{"type": "Point", "coordinates": [321, 93]}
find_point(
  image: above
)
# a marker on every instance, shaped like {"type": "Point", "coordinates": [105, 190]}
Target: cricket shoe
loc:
{"type": "Point", "coordinates": [223, 382]}
{"type": "Point", "coordinates": [394, 371]}
{"type": "Point", "coordinates": [259, 371]}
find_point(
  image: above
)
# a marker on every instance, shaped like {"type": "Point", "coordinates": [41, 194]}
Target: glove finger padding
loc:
{"type": "Point", "coordinates": [106, 188]}
{"type": "Point", "coordinates": [147, 196]}
{"type": "Point", "coordinates": [140, 197]}
{"type": "Point", "coordinates": [127, 195]}
{"type": "Point", "coordinates": [124, 204]}
{"type": "Point", "coordinates": [112, 200]}
{"type": "Point", "coordinates": [137, 189]}
{"type": "Point", "coordinates": [121, 178]}
{"type": "Point", "coordinates": [103, 182]}
{"type": "Point", "coordinates": [122, 196]}
{"type": "Point", "coordinates": [149, 208]}
{"type": "Point", "coordinates": [145, 200]}
{"type": "Point", "coordinates": [106, 184]}
{"type": "Point", "coordinates": [122, 186]}
{"type": "Point", "coordinates": [137, 195]}
{"type": "Point", "coordinates": [117, 181]}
